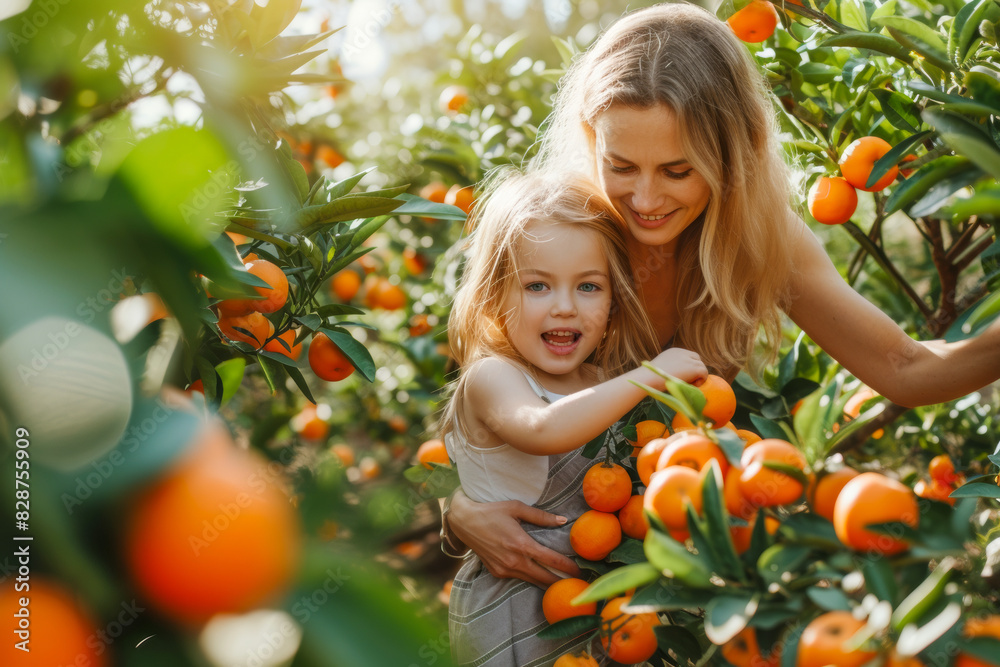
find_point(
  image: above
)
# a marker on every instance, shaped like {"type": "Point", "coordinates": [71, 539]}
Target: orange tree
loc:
{"type": "Point", "coordinates": [163, 230]}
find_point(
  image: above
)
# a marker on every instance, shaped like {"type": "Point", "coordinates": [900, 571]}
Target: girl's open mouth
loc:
{"type": "Point", "coordinates": [561, 341]}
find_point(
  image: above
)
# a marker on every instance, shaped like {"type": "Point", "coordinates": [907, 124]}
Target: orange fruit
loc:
{"type": "Point", "coordinates": [398, 423]}
{"type": "Point", "coordinates": [252, 328]}
{"type": "Point", "coordinates": [461, 197]}
{"type": "Point", "coordinates": [453, 99]}
{"type": "Point", "coordinates": [645, 462]}
{"type": "Point", "coordinates": [941, 468]}
{"type": "Point", "coordinates": [607, 487]}
{"type": "Point", "coordinates": [720, 401]}
{"type": "Point", "coordinates": [978, 627]}
{"type": "Point", "coordinates": [755, 22]}
{"type": "Point", "coordinates": [345, 284]}
{"type": "Point", "coordinates": [628, 638]}
{"type": "Point", "coordinates": [434, 191]}
{"type": "Point", "coordinates": [742, 536]}
{"type": "Point", "coordinates": [329, 156]}
{"type": "Point", "coordinates": [557, 602]}
{"type": "Point", "coordinates": [293, 351]}
{"type": "Point", "coordinates": [934, 490]}
{"type": "Point", "coordinates": [748, 437]}
{"type": "Point", "coordinates": [693, 450]}
{"type": "Point", "coordinates": [419, 325]}
{"type": "Point", "coordinates": [632, 519]}
{"type": "Point", "coordinates": [274, 297]}
{"type": "Point", "coordinates": [873, 498]}
{"type": "Point", "coordinates": [822, 642]}
{"type": "Point", "coordinates": [736, 504]}
{"type": "Point", "coordinates": [432, 451]}
{"type": "Point", "coordinates": [391, 297]}
{"type": "Point", "coordinates": [595, 534]}
{"type": "Point", "coordinates": [369, 468]}
{"type": "Point", "coordinates": [744, 651]}
{"type": "Point", "coordinates": [215, 534]}
{"type": "Point", "coordinates": [764, 487]}
{"type": "Point", "coordinates": [896, 660]}
{"type": "Point", "coordinates": [669, 491]}
{"type": "Point", "coordinates": [62, 631]}
{"type": "Point", "coordinates": [852, 408]}
{"type": "Point", "coordinates": [327, 361]}
{"type": "Point", "coordinates": [648, 430]}
{"type": "Point", "coordinates": [823, 494]}
{"type": "Point", "coordinates": [905, 173]}
{"type": "Point", "coordinates": [344, 453]}
{"type": "Point", "coordinates": [858, 159]}
{"type": "Point", "coordinates": [576, 660]}
{"type": "Point", "coordinates": [309, 426]}
{"type": "Point", "coordinates": [414, 262]}
{"type": "Point", "coordinates": [832, 200]}
{"type": "Point", "coordinates": [196, 386]}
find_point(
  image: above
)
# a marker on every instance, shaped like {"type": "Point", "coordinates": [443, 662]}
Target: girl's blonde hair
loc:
{"type": "Point", "coordinates": [733, 263]}
{"type": "Point", "coordinates": [510, 202]}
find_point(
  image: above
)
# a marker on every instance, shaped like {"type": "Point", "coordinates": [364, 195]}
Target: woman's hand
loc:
{"type": "Point", "coordinates": [493, 531]}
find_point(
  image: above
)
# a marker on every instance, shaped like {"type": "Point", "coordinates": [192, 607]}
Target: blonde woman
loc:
{"type": "Point", "coordinates": [548, 332]}
{"type": "Point", "coordinates": [667, 111]}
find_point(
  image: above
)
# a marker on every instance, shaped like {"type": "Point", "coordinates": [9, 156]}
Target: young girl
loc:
{"type": "Point", "coordinates": [546, 314]}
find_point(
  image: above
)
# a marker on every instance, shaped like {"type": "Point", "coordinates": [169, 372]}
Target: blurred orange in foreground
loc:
{"type": "Point", "coordinates": [61, 633]}
{"type": "Point", "coordinates": [216, 534]}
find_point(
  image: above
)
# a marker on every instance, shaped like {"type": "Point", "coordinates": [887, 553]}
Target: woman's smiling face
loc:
{"type": "Point", "coordinates": [644, 172]}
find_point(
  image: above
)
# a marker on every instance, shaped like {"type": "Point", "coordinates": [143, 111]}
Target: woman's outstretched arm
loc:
{"type": "Point", "coordinates": [874, 348]}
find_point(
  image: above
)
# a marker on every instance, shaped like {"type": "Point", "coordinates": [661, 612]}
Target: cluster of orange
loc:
{"type": "Point", "coordinates": [308, 153]}
{"type": "Point", "coordinates": [756, 22]}
{"type": "Point", "coordinates": [833, 199]}
{"type": "Point", "coordinates": [943, 480]}
{"type": "Point", "coordinates": [243, 320]}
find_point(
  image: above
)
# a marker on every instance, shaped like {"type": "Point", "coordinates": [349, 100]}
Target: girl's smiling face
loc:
{"type": "Point", "coordinates": [644, 172]}
{"type": "Point", "coordinates": [558, 309]}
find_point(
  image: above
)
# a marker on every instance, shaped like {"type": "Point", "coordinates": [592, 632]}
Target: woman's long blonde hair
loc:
{"type": "Point", "coordinates": [734, 263]}
{"type": "Point", "coordinates": [510, 202]}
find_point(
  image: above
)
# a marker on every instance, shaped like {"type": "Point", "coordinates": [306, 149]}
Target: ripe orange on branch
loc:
{"type": "Point", "coordinates": [645, 462]}
{"type": "Point", "coordinates": [607, 487]}
{"type": "Point", "coordinates": [216, 534]}
{"type": "Point", "coordinates": [755, 22]}
{"type": "Point", "coordinates": [595, 534]}
{"type": "Point", "coordinates": [628, 638]}
{"type": "Point", "coordinates": [823, 494]}
{"type": "Point", "coordinates": [763, 486]}
{"type": "Point", "coordinates": [432, 451]}
{"type": "Point", "coordinates": [669, 492]}
{"type": "Point", "coordinates": [345, 284]}
{"type": "Point", "coordinates": [743, 650]}
{"type": "Point", "coordinates": [632, 519]}
{"type": "Point", "coordinates": [327, 361]}
{"type": "Point", "coordinates": [293, 351]}
{"type": "Point", "coordinates": [252, 328]}
{"type": "Point", "coordinates": [557, 602]}
{"type": "Point", "coordinates": [691, 449]}
{"type": "Point", "coordinates": [872, 498]}
{"type": "Point", "coordinates": [823, 642]}
{"type": "Point", "coordinates": [832, 200]}
{"type": "Point", "coordinates": [576, 660]}
{"type": "Point", "coordinates": [274, 296]}
{"type": "Point", "coordinates": [978, 627]}
{"type": "Point", "coordinates": [858, 160]}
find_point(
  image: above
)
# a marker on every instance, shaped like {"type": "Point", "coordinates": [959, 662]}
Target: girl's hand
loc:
{"type": "Point", "coordinates": [493, 531]}
{"type": "Point", "coordinates": [682, 364]}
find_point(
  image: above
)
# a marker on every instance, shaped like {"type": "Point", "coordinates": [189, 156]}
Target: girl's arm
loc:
{"type": "Point", "coordinates": [501, 400]}
{"type": "Point", "coordinates": [873, 347]}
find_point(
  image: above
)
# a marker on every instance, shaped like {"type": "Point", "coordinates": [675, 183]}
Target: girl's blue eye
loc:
{"type": "Point", "coordinates": [589, 287]}
{"type": "Point", "coordinates": [531, 287]}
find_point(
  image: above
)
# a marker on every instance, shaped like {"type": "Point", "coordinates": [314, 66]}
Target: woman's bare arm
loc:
{"type": "Point", "coordinates": [874, 348]}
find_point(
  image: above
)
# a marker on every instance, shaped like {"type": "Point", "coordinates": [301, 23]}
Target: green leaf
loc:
{"type": "Point", "coordinates": [829, 599]}
{"type": "Point", "coordinates": [897, 153]}
{"type": "Point", "coordinates": [853, 15]}
{"type": "Point", "coordinates": [231, 372]}
{"type": "Point", "coordinates": [985, 311]}
{"type": "Point", "coordinates": [918, 37]}
{"type": "Point", "coordinates": [976, 490]}
{"type": "Point", "coordinates": [427, 209]}
{"type": "Point", "coordinates": [274, 372]}
{"type": "Point", "coordinates": [618, 581]}
{"type": "Point", "coordinates": [811, 530]}
{"type": "Point", "coordinates": [923, 597]}
{"type": "Point", "coordinates": [666, 399]}
{"type": "Point", "coordinates": [668, 595]}
{"type": "Point", "coordinates": [717, 522]}
{"type": "Point", "coordinates": [674, 560]}
{"type": "Point", "coordinates": [346, 208]}
{"type": "Point", "coordinates": [880, 579]}
{"type": "Point", "coordinates": [871, 41]}
{"type": "Point", "coordinates": [269, 21]}
{"type": "Point", "coordinates": [964, 28]}
{"type": "Point", "coordinates": [966, 139]}
{"type": "Point", "coordinates": [570, 627]}
{"type": "Point", "coordinates": [359, 355]}
{"type": "Point", "coordinates": [984, 87]}
{"type": "Point", "coordinates": [727, 615]}
{"type": "Point", "coordinates": [341, 188]}
{"type": "Point", "coordinates": [628, 552]}
{"type": "Point", "coordinates": [917, 185]}
{"type": "Point", "coordinates": [681, 642]}
{"type": "Point", "coordinates": [767, 428]}
{"type": "Point", "coordinates": [899, 110]}
{"type": "Point", "coordinates": [367, 228]}
{"type": "Point", "coordinates": [779, 563]}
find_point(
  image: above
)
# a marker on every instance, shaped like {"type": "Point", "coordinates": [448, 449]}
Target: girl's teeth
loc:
{"type": "Point", "coordinates": [650, 217]}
